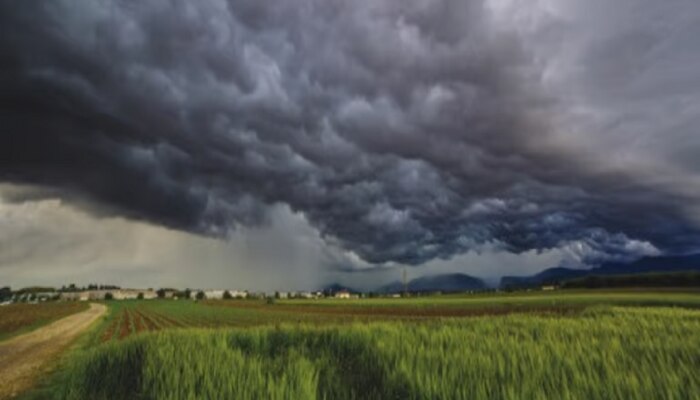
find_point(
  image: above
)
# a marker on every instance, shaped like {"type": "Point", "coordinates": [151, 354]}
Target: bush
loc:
{"type": "Point", "coordinates": [109, 296]}
{"type": "Point", "coordinates": [270, 300]}
{"type": "Point", "coordinates": [201, 295]}
{"type": "Point", "coordinates": [227, 295]}
{"type": "Point", "coordinates": [140, 296]}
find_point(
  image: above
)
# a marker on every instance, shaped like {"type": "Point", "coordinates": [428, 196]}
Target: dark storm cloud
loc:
{"type": "Point", "coordinates": [404, 131]}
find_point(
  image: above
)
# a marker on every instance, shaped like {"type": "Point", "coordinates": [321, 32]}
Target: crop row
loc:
{"type": "Point", "coordinates": [131, 317]}
{"type": "Point", "coordinates": [135, 318]}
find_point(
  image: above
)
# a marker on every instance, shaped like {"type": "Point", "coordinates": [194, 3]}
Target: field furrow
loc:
{"type": "Point", "coordinates": [125, 325]}
{"type": "Point", "coordinates": [149, 323]}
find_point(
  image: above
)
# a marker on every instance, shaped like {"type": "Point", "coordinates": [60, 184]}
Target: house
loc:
{"type": "Point", "coordinates": [96, 294]}
{"type": "Point", "coordinates": [238, 294]}
{"type": "Point", "coordinates": [167, 293]}
{"type": "Point", "coordinates": [149, 294]}
{"type": "Point", "coordinates": [75, 296]}
{"type": "Point", "coordinates": [102, 294]}
{"type": "Point", "coordinates": [214, 294]}
{"type": "Point", "coordinates": [121, 294]}
{"type": "Point", "coordinates": [342, 294]}
{"type": "Point", "coordinates": [45, 296]}
{"type": "Point", "coordinates": [548, 287]}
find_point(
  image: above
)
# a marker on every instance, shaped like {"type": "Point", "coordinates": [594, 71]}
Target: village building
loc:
{"type": "Point", "coordinates": [214, 294]}
{"type": "Point", "coordinates": [168, 293]}
{"type": "Point", "coordinates": [75, 296]}
{"type": "Point", "coordinates": [102, 294]}
{"type": "Point", "coordinates": [238, 294]}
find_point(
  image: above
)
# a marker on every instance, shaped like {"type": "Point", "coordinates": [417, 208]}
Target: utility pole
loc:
{"type": "Point", "coordinates": [405, 283]}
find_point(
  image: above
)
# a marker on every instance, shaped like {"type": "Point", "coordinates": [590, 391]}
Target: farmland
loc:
{"type": "Point", "coordinates": [127, 318]}
{"type": "Point", "coordinates": [132, 317]}
{"type": "Point", "coordinates": [579, 344]}
{"type": "Point", "coordinates": [20, 318]}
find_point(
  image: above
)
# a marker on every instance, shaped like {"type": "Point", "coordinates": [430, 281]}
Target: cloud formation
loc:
{"type": "Point", "coordinates": [46, 242]}
{"type": "Point", "coordinates": [403, 131]}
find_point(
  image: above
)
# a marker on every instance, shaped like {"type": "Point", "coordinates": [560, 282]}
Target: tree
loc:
{"type": "Point", "coordinates": [201, 295]}
{"type": "Point", "coordinates": [188, 293]}
{"type": "Point", "coordinates": [140, 296]}
{"type": "Point", "coordinates": [5, 293]}
{"type": "Point", "coordinates": [161, 293]}
{"type": "Point", "coordinates": [109, 296]}
{"type": "Point", "coordinates": [227, 295]}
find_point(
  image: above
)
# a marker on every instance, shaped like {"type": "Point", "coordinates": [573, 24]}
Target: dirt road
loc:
{"type": "Point", "coordinates": [22, 358]}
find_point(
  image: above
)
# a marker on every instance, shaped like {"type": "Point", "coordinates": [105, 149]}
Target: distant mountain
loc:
{"type": "Point", "coordinates": [641, 279]}
{"type": "Point", "coordinates": [433, 283]}
{"type": "Point", "coordinates": [643, 265]}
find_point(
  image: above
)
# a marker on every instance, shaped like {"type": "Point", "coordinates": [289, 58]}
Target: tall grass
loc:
{"type": "Point", "coordinates": [604, 353]}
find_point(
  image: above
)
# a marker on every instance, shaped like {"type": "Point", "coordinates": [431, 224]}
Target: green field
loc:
{"type": "Point", "coordinates": [671, 297]}
{"type": "Point", "coordinates": [563, 345]}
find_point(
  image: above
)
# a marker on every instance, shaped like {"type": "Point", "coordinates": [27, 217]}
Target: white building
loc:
{"type": "Point", "coordinates": [214, 294]}
{"type": "Point", "coordinates": [75, 296]}
{"type": "Point", "coordinates": [117, 294]}
{"type": "Point", "coordinates": [168, 293]}
{"type": "Point", "coordinates": [238, 294]}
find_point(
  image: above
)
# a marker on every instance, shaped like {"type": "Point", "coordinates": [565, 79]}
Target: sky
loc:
{"type": "Point", "coordinates": [286, 145]}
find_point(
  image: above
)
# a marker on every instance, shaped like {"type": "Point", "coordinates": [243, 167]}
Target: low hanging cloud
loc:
{"type": "Point", "coordinates": [403, 131]}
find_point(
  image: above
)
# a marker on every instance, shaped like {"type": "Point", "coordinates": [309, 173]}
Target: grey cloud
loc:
{"type": "Point", "coordinates": [47, 242]}
{"type": "Point", "coordinates": [403, 131]}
